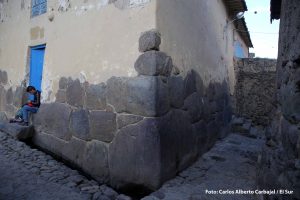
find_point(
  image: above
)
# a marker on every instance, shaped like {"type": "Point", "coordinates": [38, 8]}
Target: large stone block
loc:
{"type": "Point", "coordinates": [124, 120]}
{"type": "Point", "coordinates": [190, 83]}
{"type": "Point", "coordinates": [20, 97]}
{"type": "Point", "coordinates": [143, 95]}
{"type": "Point", "coordinates": [103, 125]}
{"type": "Point", "coordinates": [96, 97]}
{"type": "Point", "coordinates": [75, 93]}
{"type": "Point", "coordinates": [9, 96]}
{"type": "Point", "coordinates": [194, 105]}
{"type": "Point", "coordinates": [176, 91]}
{"type": "Point", "coordinates": [63, 83]}
{"type": "Point", "coordinates": [149, 40]}
{"type": "Point", "coordinates": [2, 98]}
{"type": "Point", "coordinates": [152, 151]}
{"type": "Point", "coordinates": [95, 160]}
{"type": "Point", "coordinates": [61, 96]}
{"type": "Point", "coordinates": [154, 63]}
{"type": "Point", "coordinates": [3, 116]}
{"type": "Point", "coordinates": [54, 118]}
{"type": "Point", "coordinates": [3, 77]}
{"type": "Point", "coordinates": [134, 156]}
{"type": "Point", "coordinates": [17, 131]}
{"type": "Point", "coordinates": [80, 126]}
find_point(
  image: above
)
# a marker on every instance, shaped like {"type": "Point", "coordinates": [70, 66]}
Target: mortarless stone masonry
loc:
{"type": "Point", "coordinates": [255, 89]}
{"type": "Point", "coordinates": [279, 166]}
{"type": "Point", "coordinates": [135, 131]}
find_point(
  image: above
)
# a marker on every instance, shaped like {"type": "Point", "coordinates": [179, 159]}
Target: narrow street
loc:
{"type": "Point", "coordinates": [229, 166]}
{"type": "Point", "coordinates": [30, 174]}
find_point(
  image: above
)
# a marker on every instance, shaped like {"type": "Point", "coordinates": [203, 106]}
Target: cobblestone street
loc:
{"type": "Point", "coordinates": [27, 173]}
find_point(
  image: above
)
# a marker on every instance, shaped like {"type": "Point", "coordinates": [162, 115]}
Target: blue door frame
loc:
{"type": "Point", "coordinates": [36, 65]}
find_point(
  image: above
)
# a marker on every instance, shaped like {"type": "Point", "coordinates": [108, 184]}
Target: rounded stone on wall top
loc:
{"type": "Point", "coordinates": [149, 40]}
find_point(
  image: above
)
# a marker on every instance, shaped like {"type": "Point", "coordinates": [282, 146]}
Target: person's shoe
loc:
{"type": "Point", "coordinates": [23, 123]}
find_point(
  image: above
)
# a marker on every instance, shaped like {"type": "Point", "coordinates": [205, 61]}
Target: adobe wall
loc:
{"type": "Point", "coordinates": [197, 36]}
{"type": "Point", "coordinates": [91, 40]}
{"type": "Point", "coordinates": [280, 163]}
{"type": "Point", "coordinates": [255, 89]}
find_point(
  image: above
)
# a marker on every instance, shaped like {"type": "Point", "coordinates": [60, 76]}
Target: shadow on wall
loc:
{"type": "Point", "coordinates": [135, 133]}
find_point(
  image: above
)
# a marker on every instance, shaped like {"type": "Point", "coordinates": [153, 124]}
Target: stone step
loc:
{"type": "Point", "coordinates": [17, 131]}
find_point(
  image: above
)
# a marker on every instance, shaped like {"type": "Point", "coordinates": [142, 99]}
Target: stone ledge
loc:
{"type": "Point", "coordinates": [17, 131]}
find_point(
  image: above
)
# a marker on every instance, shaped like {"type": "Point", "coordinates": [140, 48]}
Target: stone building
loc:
{"type": "Point", "coordinates": [128, 118]}
{"type": "Point", "coordinates": [280, 163]}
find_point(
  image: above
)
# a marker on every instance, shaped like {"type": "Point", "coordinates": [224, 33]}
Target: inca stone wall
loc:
{"type": "Point", "coordinates": [135, 132]}
{"type": "Point", "coordinates": [280, 164]}
{"type": "Point", "coordinates": [255, 89]}
{"type": "Point", "coordinates": [11, 99]}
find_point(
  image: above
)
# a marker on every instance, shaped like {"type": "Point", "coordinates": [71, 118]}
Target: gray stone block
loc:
{"type": "Point", "coordinates": [95, 160]}
{"type": "Point", "coordinates": [102, 125]}
{"type": "Point", "coordinates": [2, 98]}
{"type": "Point", "coordinates": [176, 91]}
{"type": "Point", "coordinates": [134, 156]}
{"type": "Point", "coordinates": [17, 131]}
{"type": "Point", "coordinates": [3, 116]}
{"type": "Point", "coordinates": [143, 95]}
{"type": "Point", "coordinates": [75, 93]}
{"type": "Point", "coordinates": [190, 83]}
{"type": "Point", "coordinates": [124, 120]}
{"type": "Point", "coordinates": [61, 96]}
{"type": "Point", "coordinates": [20, 97]}
{"type": "Point", "coordinates": [54, 118]}
{"type": "Point", "coordinates": [149, 40]}
{"type": "Point", "coordinates": [3, 77]}
{"type": "Point", "coordinates": [9, 96]}
{"type": "Point", "coordinates": [154, 63]}
{"type": "Point", "coordinates": [63, 83]}
{"type": "Point", "coordinates": [80, 126]}
{"type": "Point", "coordinates": [96, 97]}
{"type": "Point", "coordinates": [194, 105]}
{"type": "Point", "coordinates": [200, 131]}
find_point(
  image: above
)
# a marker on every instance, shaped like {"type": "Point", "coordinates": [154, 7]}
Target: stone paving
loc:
{"type": "Point", "coordinates": [29, 174]}
{"type": "Point", "coordinates": [230, 165]}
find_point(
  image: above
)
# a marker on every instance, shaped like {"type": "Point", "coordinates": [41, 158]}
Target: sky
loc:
{"type": "Point", "coordinates": [264, 35]}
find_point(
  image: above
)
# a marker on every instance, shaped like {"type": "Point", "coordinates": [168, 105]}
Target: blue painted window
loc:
{"type": "Point", "coordinates": [238, 50]}
{"type": "Point", "coordinates": [38, 7]}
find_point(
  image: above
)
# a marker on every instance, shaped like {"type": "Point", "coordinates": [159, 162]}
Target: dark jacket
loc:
{"type": "Point", "coordinates": [37, 99]}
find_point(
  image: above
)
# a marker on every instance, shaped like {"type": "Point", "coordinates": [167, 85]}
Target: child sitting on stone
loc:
{"type": "Point", "coordinates": [30, 107]}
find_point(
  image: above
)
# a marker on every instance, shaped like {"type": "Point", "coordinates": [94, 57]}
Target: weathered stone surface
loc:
{"type": "Point", "coordinates": [143, 95]}
{"type": "Point", "coordinates": [102, 125]}
{"type": "Point", "coordinates": [19, 97]}
{"type": "Point", "coordinates": [194, 105]}
{"type": "Point", "coordinates": [131, 156]}
{"type": "Point", "coordinates": [149, 40]}
{"type": "Point", "coordinates": [80, 126]}
{"type": "Point", "coordinates": [3, 116]}
{"type": "Point", "coordinates": [63, 83]}
{"type": "Point", "coordinates": [96, 97]}
{"type": "Point", "coordinates": [154, 63]}
{"type": "Point", "coordinates": [2, 98]}
{"type": "Point", "coordinates": [255, 89]}
{"type": "Point", "coordinates": [176, 131]}
{"type": "Point", "coordinates": [61, 96]}
{"type": "Point", "coordinates": [54, 118]}
{"type": "Point", "coordinates": [176, 91]}
{"type": "Point", "coordinates": [3, 77]}
{"type": "Point", "coordinates": [95, 160]}
{"type": "Point", "coordinates": [75, 93]}
{"type": "Point", "coordinates": [9, 96]}
{"type": "Point", "coordinates": [17, 131]}
{"type": "Point", "coordinates": [190, 83]}
{"type": "Point", "coordinates": [127, 119]}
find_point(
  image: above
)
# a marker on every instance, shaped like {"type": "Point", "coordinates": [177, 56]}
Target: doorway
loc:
{"type": "Point", "coordinates": [36, 66]}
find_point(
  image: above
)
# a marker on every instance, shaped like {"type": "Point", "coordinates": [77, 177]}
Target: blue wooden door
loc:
{"type": "Point", "coordinates": [36, 66]}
